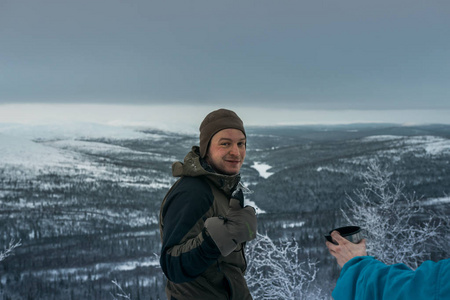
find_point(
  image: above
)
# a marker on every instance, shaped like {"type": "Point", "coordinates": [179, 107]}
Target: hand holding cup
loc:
{"type": "Point", "coordinates": [345, 250]}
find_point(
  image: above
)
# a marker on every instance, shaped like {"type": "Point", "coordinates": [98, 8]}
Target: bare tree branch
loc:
{"type": "Point", "coordinates": [10, 249]}
{"type": "Point", "coordinates": [275, 271]}
{"type": "Point", "coordinates": [121, 293]}
{"type": "Point", "coordinates": [390, 220]}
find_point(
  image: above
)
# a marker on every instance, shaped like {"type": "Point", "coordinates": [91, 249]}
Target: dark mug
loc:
{"type": "Point", "coordinates": [351, 233]}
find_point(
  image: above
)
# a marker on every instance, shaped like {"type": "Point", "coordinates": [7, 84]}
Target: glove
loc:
{"type": "Point", "coordinates": [238, 226]}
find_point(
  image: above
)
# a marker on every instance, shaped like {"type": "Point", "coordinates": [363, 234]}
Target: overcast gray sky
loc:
{"type": "Point", "coordinates": [312, 55]}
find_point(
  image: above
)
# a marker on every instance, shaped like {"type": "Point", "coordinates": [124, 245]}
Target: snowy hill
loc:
{"type": "Point", "coordinates": [29, 154]}
{"type": "Point", "coordinates": [431, 144]}
{"type": "Point", "coordinates": [69, 131]}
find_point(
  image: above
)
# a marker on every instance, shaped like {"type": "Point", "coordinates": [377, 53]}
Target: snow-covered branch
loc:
{"type": "Point", "coordinates": [275, 271]}
{"type": "Point", "coordinates": [390, 220]}
{"type": "Point", "coordinates": [10, 249]}
{"type": "Point", "coordinates": [120, 293]}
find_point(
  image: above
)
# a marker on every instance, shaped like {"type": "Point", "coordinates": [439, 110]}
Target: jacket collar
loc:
{"type": "Point", "coordinates": [194, 166]}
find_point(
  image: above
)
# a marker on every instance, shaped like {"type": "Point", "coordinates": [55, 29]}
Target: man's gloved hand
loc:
{"type": "Point", "coordinates": [238, 226]}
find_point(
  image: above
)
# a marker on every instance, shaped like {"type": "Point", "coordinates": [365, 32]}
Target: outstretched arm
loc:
{"type": "Point", "coordinates": [363, 277]}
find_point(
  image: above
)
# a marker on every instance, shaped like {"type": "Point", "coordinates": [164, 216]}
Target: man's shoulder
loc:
{"type": "Point", "coordinates": [187, 191]}
{"type": "Point", "coordinates": [197, 180]}
{"type": "Point", "coordinates": [197, 184]}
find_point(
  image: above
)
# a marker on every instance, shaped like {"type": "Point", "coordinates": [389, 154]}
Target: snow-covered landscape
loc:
{"type": "Point", "coordinates": [84, 199]}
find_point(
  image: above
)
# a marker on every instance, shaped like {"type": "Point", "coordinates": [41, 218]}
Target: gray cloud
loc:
{"type": "Point", "coordinates": [288, 54]}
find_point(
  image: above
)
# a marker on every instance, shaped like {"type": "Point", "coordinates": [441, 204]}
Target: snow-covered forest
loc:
{"type": "Point", "coordinates": [84, 201]}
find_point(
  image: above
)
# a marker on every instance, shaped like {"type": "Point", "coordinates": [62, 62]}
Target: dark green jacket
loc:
{"type": "Point", "coordinates": [189, 257]}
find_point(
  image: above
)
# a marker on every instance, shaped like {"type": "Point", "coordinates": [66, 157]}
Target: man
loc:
{"type": "Point", "coordinates": [203, 223]}
{"type": "Point", "coordinates": [363, 277]}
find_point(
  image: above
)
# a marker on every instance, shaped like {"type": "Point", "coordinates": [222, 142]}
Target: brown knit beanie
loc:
{"type": "Point", "coordinates": [216, 121]}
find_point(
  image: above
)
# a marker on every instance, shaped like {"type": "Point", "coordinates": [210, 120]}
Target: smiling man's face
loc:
{"type": "Point", "coordinates": [226, 151]}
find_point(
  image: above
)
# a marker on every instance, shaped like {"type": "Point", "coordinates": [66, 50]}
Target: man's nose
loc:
{"type": "Point", "coordinates": [234, 150]}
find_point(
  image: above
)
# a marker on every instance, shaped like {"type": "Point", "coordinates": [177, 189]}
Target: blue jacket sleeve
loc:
{"type": "Point", "coordinates": [187, 251]}
{"type": "Point", "coordinates": [368, 278]}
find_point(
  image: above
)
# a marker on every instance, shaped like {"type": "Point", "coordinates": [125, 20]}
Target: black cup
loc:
{"type": "Point", "coordinates": [351, 233]}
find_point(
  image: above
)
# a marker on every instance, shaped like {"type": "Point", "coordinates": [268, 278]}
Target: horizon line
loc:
{"type": "Point", "coordinates": [192, 115]}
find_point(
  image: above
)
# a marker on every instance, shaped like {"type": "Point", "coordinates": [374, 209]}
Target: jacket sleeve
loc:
{"type": "Point", "coordinates": [187, 250]}
{"type": "Point", "coordinates": [368, 278]}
